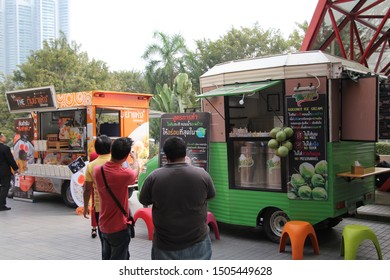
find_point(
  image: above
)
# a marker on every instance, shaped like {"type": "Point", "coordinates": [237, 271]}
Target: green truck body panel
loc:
{"type": "Point", "coordinates": [243, 207]}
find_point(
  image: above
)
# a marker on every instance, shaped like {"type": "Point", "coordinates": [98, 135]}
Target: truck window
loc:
{"type": "Point", "coordinates": [250, 118]}
{"type": "Point", "coordinates": [107, 122]}
{"type": "Point", "coordinates": [255, 165]}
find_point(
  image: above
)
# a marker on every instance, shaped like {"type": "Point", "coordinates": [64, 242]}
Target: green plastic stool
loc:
{"type": "Point", "coordinates": [352, 237]}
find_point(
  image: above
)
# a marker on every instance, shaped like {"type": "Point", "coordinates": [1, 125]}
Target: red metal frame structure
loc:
{"type": "Point", "coordinates": [354, 29]}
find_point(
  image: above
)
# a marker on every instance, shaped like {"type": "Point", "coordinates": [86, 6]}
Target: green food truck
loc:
{"type": "Point", "coordinates": [291, 137]}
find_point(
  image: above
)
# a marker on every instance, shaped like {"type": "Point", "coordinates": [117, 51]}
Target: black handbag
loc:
{"type": "Point", "coordinates": [130, 219]}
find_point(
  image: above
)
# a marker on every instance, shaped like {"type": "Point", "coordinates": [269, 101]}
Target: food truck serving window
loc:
{"type": "Point", "coordinates": [248, 112]}
{"type": "Point", "coordinates": [249, 118]}
{"type": "Point", "coordinates": [108, 122]}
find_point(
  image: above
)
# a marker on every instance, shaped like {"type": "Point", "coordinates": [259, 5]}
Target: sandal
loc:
{"type": "Point", "coordinates": [93, 233]}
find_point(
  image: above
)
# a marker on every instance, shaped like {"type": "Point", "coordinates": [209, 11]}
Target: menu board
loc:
{"type": "Point", "coordinates": [76, 165]}
{"type": "Point", "coordinates": [384, 111]}
{"type": "Point", "coordinates": [33, 99]}
{"type": "Point", "coordinates": [307, 164]}
{"type": "Point", "coordinates": [194, 129]}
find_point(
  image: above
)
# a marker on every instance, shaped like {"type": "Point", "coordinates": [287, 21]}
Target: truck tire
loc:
{"type": "Point", "coordinates": [67, 195]}
{"type": "Point", "coordinates": [274, 221]}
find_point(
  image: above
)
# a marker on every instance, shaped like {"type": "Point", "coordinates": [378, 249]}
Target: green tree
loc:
{"type": "Point", "coordinates": [295, 39]}
{"type": "Point", "coordinates": [129, 81]}
{"type": "Point", "coordinates": [239, 44]}
{"type": "Point", "coordinates": [6, 118]}
{"type": "Point", "coordinates": [164, 59]}
{"type": "Point", "coordinates": [64, 66]}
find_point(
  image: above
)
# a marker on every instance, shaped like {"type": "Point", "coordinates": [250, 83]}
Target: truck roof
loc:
{"type": "Point", "coordinates": [276, 67]}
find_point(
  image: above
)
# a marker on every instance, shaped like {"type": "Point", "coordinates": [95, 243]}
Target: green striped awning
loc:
{"type": "Point", "coordinates": [238, 89]}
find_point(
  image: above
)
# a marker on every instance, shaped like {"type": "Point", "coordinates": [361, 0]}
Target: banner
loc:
{"type": "Point", "coordinates": [24, 155]}
{"type": "Point", "coordinates": [308, 172]}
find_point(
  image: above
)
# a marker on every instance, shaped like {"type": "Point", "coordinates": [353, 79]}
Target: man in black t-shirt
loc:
{"type": "Point", "coordinates": [179, 193]}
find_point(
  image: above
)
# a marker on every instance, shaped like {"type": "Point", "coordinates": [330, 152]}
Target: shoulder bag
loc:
{"type": "Point", "coordinates": [130, 219]}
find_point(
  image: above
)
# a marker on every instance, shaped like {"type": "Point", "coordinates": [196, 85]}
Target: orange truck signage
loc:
{"type": "Point", "coordinates": [66, 125]}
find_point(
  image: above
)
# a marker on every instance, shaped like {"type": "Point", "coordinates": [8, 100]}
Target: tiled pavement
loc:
{"type": "Point", "coordinates": [48, 230]}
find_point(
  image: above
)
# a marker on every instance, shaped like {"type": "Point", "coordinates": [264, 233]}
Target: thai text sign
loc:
{"type": "Point", "coordinates": [194, 129]}
{"type": "Point", "coordinates": [308, 171]}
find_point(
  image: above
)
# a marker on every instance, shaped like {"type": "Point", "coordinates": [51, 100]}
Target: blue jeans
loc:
{"type": "Point", "coordinates": [198, 251]}
{"type": "Point", "coordinates": [115, 246]}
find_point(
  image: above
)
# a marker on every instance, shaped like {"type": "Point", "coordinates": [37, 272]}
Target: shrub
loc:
{"type": "Point", "coordinates": [383, 148]}
{"type": "Point", "coordinates": [153, 150]}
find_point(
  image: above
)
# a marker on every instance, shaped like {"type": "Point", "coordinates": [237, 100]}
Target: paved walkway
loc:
{"type": "Point", "coordinates": [48, 230]}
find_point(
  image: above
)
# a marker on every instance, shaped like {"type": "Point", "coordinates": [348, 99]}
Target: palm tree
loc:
{"type": "Point", "coordinates": [165, 59]}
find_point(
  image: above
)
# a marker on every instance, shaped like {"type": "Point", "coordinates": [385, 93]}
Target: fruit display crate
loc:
{"type": "Point", "coordinates": [57, 145]}
{"type": "Point", "coordinates": [52, 137]}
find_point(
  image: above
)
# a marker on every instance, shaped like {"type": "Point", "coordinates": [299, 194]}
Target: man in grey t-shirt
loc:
{"type": "Point", "coordinates": [179, 193]}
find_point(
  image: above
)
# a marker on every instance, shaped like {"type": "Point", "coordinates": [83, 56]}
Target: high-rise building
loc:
{"type": "Point", "coordinates": [25, 25]}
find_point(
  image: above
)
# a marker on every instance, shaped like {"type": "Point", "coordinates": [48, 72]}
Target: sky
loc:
{"type": "Point", "coordinates": [119, 31]}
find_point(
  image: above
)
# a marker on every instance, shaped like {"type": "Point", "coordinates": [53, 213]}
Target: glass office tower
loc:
{"type": "Point", "coordinates": [25, 24]}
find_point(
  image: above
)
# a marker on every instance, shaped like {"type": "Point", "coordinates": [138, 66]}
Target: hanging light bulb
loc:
{"type": "Point", "coordinates": [241, 102]}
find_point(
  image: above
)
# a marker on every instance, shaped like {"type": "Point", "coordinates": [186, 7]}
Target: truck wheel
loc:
{"type": "Point", "coordinates": [67, 195]}
{"type": "Point", "coordinates": [274, 221]}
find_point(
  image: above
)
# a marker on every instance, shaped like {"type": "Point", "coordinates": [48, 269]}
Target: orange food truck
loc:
{"type": "Point", "coordinates": [52, 145]}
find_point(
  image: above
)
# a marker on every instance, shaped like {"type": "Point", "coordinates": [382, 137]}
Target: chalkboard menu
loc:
{"type": "Point", "coordinates": [194, 129]}
{"type": "Point", "coordinates": [33, 99]}
{"type": "Point", "coordinates": [384, 111]}
{"type": "Point", "coordinates": [76, 165]}
{"type": "Point", "coordinates": [308, 160]}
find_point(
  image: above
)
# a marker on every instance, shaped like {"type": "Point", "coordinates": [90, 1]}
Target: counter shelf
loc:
{"type": "Point", "coordinates": [46, 176]}
{"type": "Point", "coordinates": [64, 151]}
{"type": "Point", "coordinates": [348, 176]}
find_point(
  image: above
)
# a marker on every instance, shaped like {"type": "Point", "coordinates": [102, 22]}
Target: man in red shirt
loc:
{"type": "Point", "coordinates": [112, 222]}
